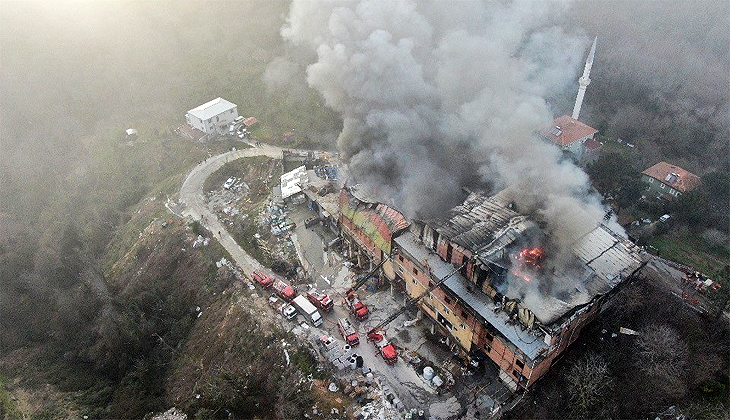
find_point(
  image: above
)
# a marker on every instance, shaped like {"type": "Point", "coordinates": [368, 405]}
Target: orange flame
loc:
{"type": "Point", "coordinates": [530, 259]}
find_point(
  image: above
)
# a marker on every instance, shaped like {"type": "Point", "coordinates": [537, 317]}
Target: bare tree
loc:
{"type": "Point", "coordinates": [587, 380]}
{"type": "Point", "coordinates": [662, 356]}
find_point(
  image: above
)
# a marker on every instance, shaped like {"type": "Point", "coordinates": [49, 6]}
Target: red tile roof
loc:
{"type": "Point", "coordinates": [673, 176]}
{"type": "Point", "coordinates": [248, 122]}
{"type": "Point", "coordinates": [567, 130]}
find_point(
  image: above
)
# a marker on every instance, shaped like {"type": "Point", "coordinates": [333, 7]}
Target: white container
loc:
{"type": "Point", "coordinates": [437, 381]}
{"type": "Point", "coordinates": [428, 373]}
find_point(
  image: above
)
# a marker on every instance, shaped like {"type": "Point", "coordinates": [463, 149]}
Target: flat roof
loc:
{"type": "Point", "coordinates": [293, 181]}
{"type": "Point", "coordinates": [212, 108]}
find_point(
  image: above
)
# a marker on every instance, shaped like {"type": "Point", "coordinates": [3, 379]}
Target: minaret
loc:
{"type": "Point", "coordinates": [584, 81]}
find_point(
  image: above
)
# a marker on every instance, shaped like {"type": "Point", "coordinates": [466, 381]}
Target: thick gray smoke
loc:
{"type": "Point", "coordinates": [436, 96]}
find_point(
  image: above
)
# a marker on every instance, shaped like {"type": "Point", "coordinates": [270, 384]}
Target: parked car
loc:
{"type": "Point", "coordinates": [230, 182]}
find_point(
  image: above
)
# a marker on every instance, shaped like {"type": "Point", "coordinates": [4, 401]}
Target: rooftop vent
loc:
{"type": "Point", "coordinates": [672, 178]}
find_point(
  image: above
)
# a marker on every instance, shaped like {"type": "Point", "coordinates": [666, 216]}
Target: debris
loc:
{"type": "Point", "coordinates": [333, 387]}
{"type": "Point", "coordinates": [627, 331]}
{"type": "Point", "coordinates": [445, 410]}
{"type": "Point", "coordinates": [171, 414]}
{"type": "Point", "coordinates": [286, 353]}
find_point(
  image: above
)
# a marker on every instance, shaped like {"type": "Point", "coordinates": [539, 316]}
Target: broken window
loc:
{"type": "Point", "coordinates": [463, 270]}
{"type": "Point", "coordinates": [520, 364]}
{"type": "Point", "coordinates": [447, 300]}
{"type": "Point", "coordinates": [488, 337]}
{"type": "Point", "coordinates": [449, 251]}
{"type": "Point", "coordinates": [400, 257]}
{"type": "Point", "coordinates": [415, 271]}
{"type": "Point", "coordinates": [444, 322]}
{"type": "Point", "coordinates": [487, 348]}
{"type": "Point", "coordinates": [464, 315]}
{"type": "Point", "coordinates": [435, 239]}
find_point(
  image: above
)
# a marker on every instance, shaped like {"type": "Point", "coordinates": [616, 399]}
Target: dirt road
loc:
{"type": "Point", "coordinates": [193, 203]}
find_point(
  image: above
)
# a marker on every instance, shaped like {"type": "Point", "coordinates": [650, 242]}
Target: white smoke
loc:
{"type": "Point", "coordinates": [439, 95]}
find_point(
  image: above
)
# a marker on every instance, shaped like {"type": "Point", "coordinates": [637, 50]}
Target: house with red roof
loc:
{"type": "Point", "coordinates": [574, 136]}
{"type": "Point", "coordinates": [669, 181]}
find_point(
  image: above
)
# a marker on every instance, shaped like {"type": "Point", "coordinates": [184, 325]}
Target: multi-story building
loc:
{"type": "Point", "coordinates": [668, 181]}
{"type": "Point", "coordinates": [507, 297]}
{"type": "Point", "coordinates": [212, 117]}
{"type": "Point", "coordinates": [367, 228]}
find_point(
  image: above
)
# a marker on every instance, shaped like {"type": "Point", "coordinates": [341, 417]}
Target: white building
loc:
{"type": "Point", "coordinates": [212, 117]}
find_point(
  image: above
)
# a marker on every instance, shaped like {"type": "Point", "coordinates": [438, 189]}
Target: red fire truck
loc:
{"type": "Point", "coordinates": [284, 290]}
{"type": "Point", "coordinates": [357, 308]}
{"type": "Point", "coordinates": [320, 300]}
{"type": "Point", "coordinates": [348, 332]}
{"type": "Point", "coordinates": [262, 279]}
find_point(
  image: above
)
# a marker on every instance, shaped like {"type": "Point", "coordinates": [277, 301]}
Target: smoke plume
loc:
{"type": "Point", "coordinates": [436, 96]}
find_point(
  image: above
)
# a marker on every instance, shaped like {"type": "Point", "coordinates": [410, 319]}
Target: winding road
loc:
{"type": "Point", "coordinates": [193, 204]}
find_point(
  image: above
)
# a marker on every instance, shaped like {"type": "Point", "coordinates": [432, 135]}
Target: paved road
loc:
{"type": "Point", "coordinates": [194, 205]}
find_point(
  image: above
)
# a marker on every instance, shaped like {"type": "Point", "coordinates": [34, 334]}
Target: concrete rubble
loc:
{"type": "Point", "coordinates": [171, 414]}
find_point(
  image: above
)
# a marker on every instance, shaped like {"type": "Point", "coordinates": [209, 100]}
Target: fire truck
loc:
{"type": "Point", "coordinates": [377, 334]}
{"type": "Point", "coordinates": [358, 309]}
{"type": "Point", "coordinates": [385, 348]}
{"type": "Point", "coordinates": [284, 290]}
{"type": "Point", "coordinates": [348, 332]}
{"type": "Point", "coordinates": [262, 279]}
{"type": "Point", "coordinates": [320, 300]}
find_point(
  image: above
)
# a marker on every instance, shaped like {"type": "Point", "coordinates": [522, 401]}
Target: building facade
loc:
{"type": "Point", "coordinates": [668, 181]}
{"type": "Point", "coordinates": [367, 228]}
{"type": "Point", "coordinates": [489, 306]}
{"type": "Point", "coordinates": [474, 307]}
{"type": "Point", "coordinates": [212, 117]}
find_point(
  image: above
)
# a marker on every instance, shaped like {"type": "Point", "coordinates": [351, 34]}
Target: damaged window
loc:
{"type": "Point", "coordinates": [520, 364]}
{"type": "Point", "coordinates": [447, 300]}
{"type": "Point", "coordinates": [415, 271]}
{"type": "Point", "coordinates": [489, 337]}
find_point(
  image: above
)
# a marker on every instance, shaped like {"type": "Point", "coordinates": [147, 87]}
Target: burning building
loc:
{"type": "Point", "coordinates": [508, 296]}
{"type": "Point", "coordinates": [367, 228]}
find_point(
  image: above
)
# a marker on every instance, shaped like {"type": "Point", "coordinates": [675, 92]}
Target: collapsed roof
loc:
{"type": "Point", "coordinates": [490, 227]}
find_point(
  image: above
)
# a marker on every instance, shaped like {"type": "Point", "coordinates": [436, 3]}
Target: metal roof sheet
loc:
{"type": "Point", "coordinates": [529, 344]}
{"type": "Point", "coordinates": [292, 181]}
{"type": "Point", "coordinates": [212, 108]}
